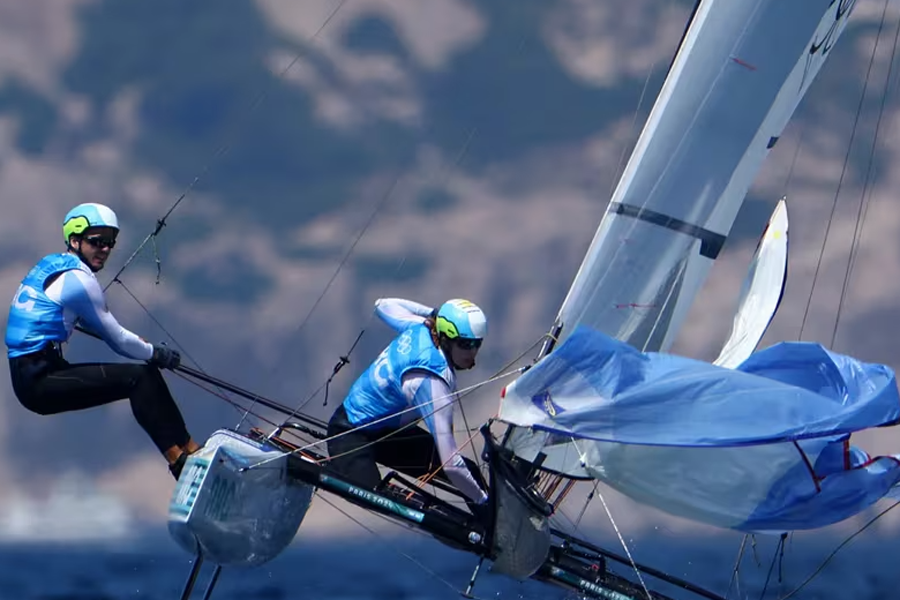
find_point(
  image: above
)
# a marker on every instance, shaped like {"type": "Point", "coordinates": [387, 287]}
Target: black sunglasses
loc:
{"type": "Point", "coordinates": [101, 242]}
{"type": "Point", "coordinates": [468, 344]}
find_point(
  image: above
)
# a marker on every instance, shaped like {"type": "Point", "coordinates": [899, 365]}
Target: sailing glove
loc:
{"type": "Point", "coordinates": [483, 512]}
{"type": "Point", "coordinates": [165, 357]}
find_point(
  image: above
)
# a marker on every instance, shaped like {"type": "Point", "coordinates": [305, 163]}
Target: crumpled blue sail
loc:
{"type": "Point", "coordinates": [761, 447]}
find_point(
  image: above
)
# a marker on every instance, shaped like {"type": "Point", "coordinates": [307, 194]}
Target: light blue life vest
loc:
{"type": "Point", "coordinates": [378, 392]}
{"type": "Point", "coordinates": [34, 319]}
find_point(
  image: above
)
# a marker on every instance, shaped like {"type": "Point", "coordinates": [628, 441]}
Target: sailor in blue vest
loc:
{"type": "Point", "coordinates": [62, 290]}
{"type": "Point", "coordinates": [413, 379]}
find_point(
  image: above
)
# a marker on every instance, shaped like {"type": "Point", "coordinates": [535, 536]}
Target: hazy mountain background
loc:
{"type": "Point", "coordinates": [482, 140]}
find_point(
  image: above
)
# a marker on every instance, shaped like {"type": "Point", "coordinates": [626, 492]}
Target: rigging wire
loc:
{"type": "Point", "coordinates": [846, 541]}
{"type": "Point", "coordinates": [843, 171]}
{"type": "Point", "coordinates": [790, 175]}
{"type": "Point", "coordinates": [221, 150]}
{"type": "Point", "coordinates": [865, 199]}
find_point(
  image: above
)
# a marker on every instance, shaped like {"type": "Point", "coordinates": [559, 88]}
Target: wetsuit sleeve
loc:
{"type": "Point", "coordinates": [401, 314]}
{"type": "Point", "coordinates": [81, 293]}
{"type": "Point", "coordinates": [433, 397]}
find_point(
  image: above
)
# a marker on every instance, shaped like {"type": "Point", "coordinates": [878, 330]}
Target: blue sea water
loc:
{"type": "Point", "coordinates": [367, 567]}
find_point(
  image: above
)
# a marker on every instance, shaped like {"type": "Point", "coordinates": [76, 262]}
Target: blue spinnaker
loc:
{"type": "Point", "coordinates": [761, 447]}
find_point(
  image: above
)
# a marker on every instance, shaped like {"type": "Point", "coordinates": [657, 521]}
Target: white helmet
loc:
{"type": "Point", "coordinates": [87, 215]}
{"type": "Point", "coordinates": [460, 318]}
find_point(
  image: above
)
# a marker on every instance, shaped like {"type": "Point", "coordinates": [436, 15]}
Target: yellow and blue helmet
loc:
{"type": "Point", "coordinates": [89, 214]}
{"type": "Point", "coordinates": [460, 318]}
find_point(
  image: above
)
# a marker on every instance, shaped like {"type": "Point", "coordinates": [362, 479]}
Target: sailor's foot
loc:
{"type": "Point", "coordinates": [177, 456]}
{"type": "Point", "coordinates": [176, 467]}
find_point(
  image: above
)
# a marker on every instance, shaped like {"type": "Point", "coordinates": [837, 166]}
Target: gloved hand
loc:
{"type": "Point", "coordinates": [483, 512]}
{"type": "Point", "coordinates": [165, 357]}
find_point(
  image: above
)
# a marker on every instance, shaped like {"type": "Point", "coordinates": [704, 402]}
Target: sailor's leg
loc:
{"type": "Point", "coordinates": [70, 387]}
{"type": "Point", "coordinates": [410, 450]}
{"type": "Point", "coordinates": [352, 454]}
{"type": "Point", "coordinates": [413, 451]}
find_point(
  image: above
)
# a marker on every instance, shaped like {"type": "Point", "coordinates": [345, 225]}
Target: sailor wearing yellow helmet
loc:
{"type": "Point", "coordinates": [416, 371]}
{"type": "Point", "coordinates": [62, 290]}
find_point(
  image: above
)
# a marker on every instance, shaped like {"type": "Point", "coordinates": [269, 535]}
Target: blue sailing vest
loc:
{"type": "Point", "coordinates": [378, 392]}
{"type": "Point", "coordinates": [35, 319]}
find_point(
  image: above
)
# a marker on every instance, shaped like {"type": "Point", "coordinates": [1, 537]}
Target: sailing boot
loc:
{"type": "Point", "coordinates": [176, 467]}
